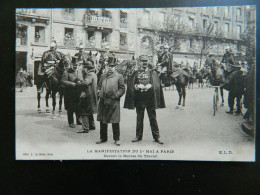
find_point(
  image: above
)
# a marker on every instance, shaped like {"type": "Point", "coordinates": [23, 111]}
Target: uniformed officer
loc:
{"type": "Point", "coordinates": [50, 57]}
{"type": "Point", "coordinates": [144, 91]}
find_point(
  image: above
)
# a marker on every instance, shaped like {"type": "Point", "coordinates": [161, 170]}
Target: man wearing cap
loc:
{"type": "Point", "coordinates": [236, 85]}
{"type": "Point", "coordinates": [111, 88]}
{"type": "Point", "coordinates": [228, 57]}
{"type": "Point", "coordinates": [88, 97]}
{"type": "Point", "coordinates": [81, 55]}
{"type": "Point", "coordinates": [144, 91]}
{"type": "Point", "coordinates": [71, 94]}
{"type": "Point", "coordinates": [50, 57]}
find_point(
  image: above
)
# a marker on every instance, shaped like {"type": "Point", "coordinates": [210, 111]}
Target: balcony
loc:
{"type": "Point", "coordinates": [123, 22]}
{"type": "Point", "coordinates": [21, 41]}
{"type": "Point", "coordinates": [69, 42]}
{"type": "Point", "coordinates": [91, 20]}
{"type": "Point", "coordinates": [34, 12]}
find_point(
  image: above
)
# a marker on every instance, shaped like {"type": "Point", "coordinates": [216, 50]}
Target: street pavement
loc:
{"type": "Point", "coordinates": [192, 133]}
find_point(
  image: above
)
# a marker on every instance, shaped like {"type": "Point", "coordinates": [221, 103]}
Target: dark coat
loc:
{"type": "Point", "coordinates": [156, 93]}
{"type": "Point", "coordinates": [71, 94]}
{"type": "Point", "coordinates": [88, 97]}
{"type": "Point", "coordinates": [111, 88]}
{"type": "Point", "coordinates": [236, 82]}
{"type": "Point", "coordinates": [167, 59]}
{"type": "Point", "coordinates": [20, 78]}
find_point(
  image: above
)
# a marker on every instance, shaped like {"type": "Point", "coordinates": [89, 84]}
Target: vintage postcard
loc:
{"type": "Point", "coordinates": [174, 83]}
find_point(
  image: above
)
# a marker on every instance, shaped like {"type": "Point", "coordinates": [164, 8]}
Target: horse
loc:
{"type": "Point", "coordinates": [126, 68]}
{"type": "Point", "coordinates": [180, 80]}
{"type": "Point", "coordinates": [52, 77]}
{"type": "Point", "coordinates": [200, 76]}
{"type": "Point", "coordinates": [192, 78]}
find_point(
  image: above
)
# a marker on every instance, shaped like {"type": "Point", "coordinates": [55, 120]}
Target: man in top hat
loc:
{"type": "Point", "coordinates": [71, 94]}
{"type": "Point", "coordinates": [51, 57]}
{"type": "Point", "coordinates": [111, 88]}
{"type": "Point", "coordinates": [144, 91]}
{"type": "Point", "coordinates": [88, 97]}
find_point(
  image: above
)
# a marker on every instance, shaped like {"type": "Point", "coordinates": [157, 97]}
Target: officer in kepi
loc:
{"type": "Point", "coordinates": [51, 57]}
{"type": "Point", "coordinates": [144, 91]}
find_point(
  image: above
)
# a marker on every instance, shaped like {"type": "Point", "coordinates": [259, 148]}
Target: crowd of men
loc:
{"type": "Point", "coordinates": [90, 91]}
{"type": "Point", "coordinates": [85, 95]}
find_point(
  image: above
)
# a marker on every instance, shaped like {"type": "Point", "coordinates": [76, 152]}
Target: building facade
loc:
{"type": "Point", "coordinates": [191, 32]}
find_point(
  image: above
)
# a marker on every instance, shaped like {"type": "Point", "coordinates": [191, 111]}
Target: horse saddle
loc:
{"type": "Point", "coordinates": [178, 72]}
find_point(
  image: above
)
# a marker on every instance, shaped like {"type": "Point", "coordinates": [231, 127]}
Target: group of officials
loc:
{"type": "Point", "coordinates": [85, 95]}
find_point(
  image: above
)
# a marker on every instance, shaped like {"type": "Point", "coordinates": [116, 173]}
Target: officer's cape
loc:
{"type": "Point", "coordinates": [156, 87]}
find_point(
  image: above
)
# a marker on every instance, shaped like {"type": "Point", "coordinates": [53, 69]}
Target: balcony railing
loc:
{"type": "Point", "coordinates": [98, 20]}
{"type": "Point", "coordinates": [69, 43]}
{"type": "Point", "coordinates": [21, 41]}
{"type": "Point", "coordinates": [26, 11]}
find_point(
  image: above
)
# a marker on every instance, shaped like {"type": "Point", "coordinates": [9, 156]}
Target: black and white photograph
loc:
{"type": "Point", "coordinates": [175, 83]}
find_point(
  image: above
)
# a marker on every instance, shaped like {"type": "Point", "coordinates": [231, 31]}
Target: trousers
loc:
{"type": "Point", "coordinates": [71, 118]}
{"type": "Point", "coordinates": [140, 122]}
{"type": "Point", "coordinates": [103, 131]}
{"type": "Point", "coordinates": [88, 122]}
{"type": "Point", "coordinates": [231, 100]}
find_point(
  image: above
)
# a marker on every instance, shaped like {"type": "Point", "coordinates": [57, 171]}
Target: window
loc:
{"type": "Point", "coordinates": [191, 43]}
{"type": "Point", "coordinates": [90, 35]}
{"type": "Point", "coordinates": [216, 26]}
{"type": "Point", "coordinates": [204, 24]}
{"type": "Point", "coordinates": [239, 13]}
{"type": "Point", "coordinates": [161, 39]}
{"type": "Point", "coordinates": [21, 35]}
{"type": "Point", "coordinates": [238, 30]}
{"type": "Point", "coordinates": [105, 36]}
{"type": "Point", "coordinates": [123, 41]}
{"type": "Point", "coordinates": [191, 21]}
{"type": "Point", "coordinates": [39, 34]}
{"type": "Point", "coordinates": [69, 37]}
{"type": "Point", "coordinates": [106, 13]}
{"type": "Point", "coordinates": [123, 19]}
{"type": "Point", "coordinates": [227, 28]}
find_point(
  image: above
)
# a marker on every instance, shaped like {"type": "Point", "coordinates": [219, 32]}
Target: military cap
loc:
{"type": "Point", "coordinates": [88, 64]}
{"type": "Point", "coordinates": [53, 44]}
{"type": "Point", "coordinates": [143, 58]}
{"type": "Point", "coordinates": [81, 46]}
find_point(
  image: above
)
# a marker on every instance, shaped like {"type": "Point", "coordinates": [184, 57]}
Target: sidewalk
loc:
{"type": "Point", "coordinates": [27, 92]}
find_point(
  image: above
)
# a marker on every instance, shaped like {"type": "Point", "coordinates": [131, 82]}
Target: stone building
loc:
{"type": "Point", "coordinates": [191, 32]}
{"type": "Point", "coordinates": [94, 28]}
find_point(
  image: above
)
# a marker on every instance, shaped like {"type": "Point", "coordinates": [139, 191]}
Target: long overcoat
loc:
{"type": "Point", "coordinates": [156, 95]}
{"type": "Point", "coordinates": [88, 97]}
{"type": "Point", "coordinates": [112, 88]}
{"type": "Point", "coordinates": [71, 94]}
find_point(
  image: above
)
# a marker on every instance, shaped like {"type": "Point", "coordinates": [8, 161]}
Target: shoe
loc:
{"type": "Point", "coordinates": [158, 141]}
{"type": "Point", "coordinates": [136, 139]}
{"type": "Point", "coordinates": [83, 131]}
{"type": "Point", "coordinates": [72, 125]}
{"type": "Point", "coordinates": [229, 112]}
{"type": "Point", "coordinates": [101, 141]}
{"type": "Point", "coordinates": [117, 143]}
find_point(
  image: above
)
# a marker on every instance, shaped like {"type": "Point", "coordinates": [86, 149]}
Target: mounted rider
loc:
{"type": "Point", "coordinates": [78, 59]}
{"type": "Point", "coordinates": [50, 58]}
{"type": "Point", "coordinates": [166, 66]}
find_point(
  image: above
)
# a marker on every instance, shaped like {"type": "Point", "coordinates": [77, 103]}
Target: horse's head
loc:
{"type": "Point", "coordinates": [65, 62]}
